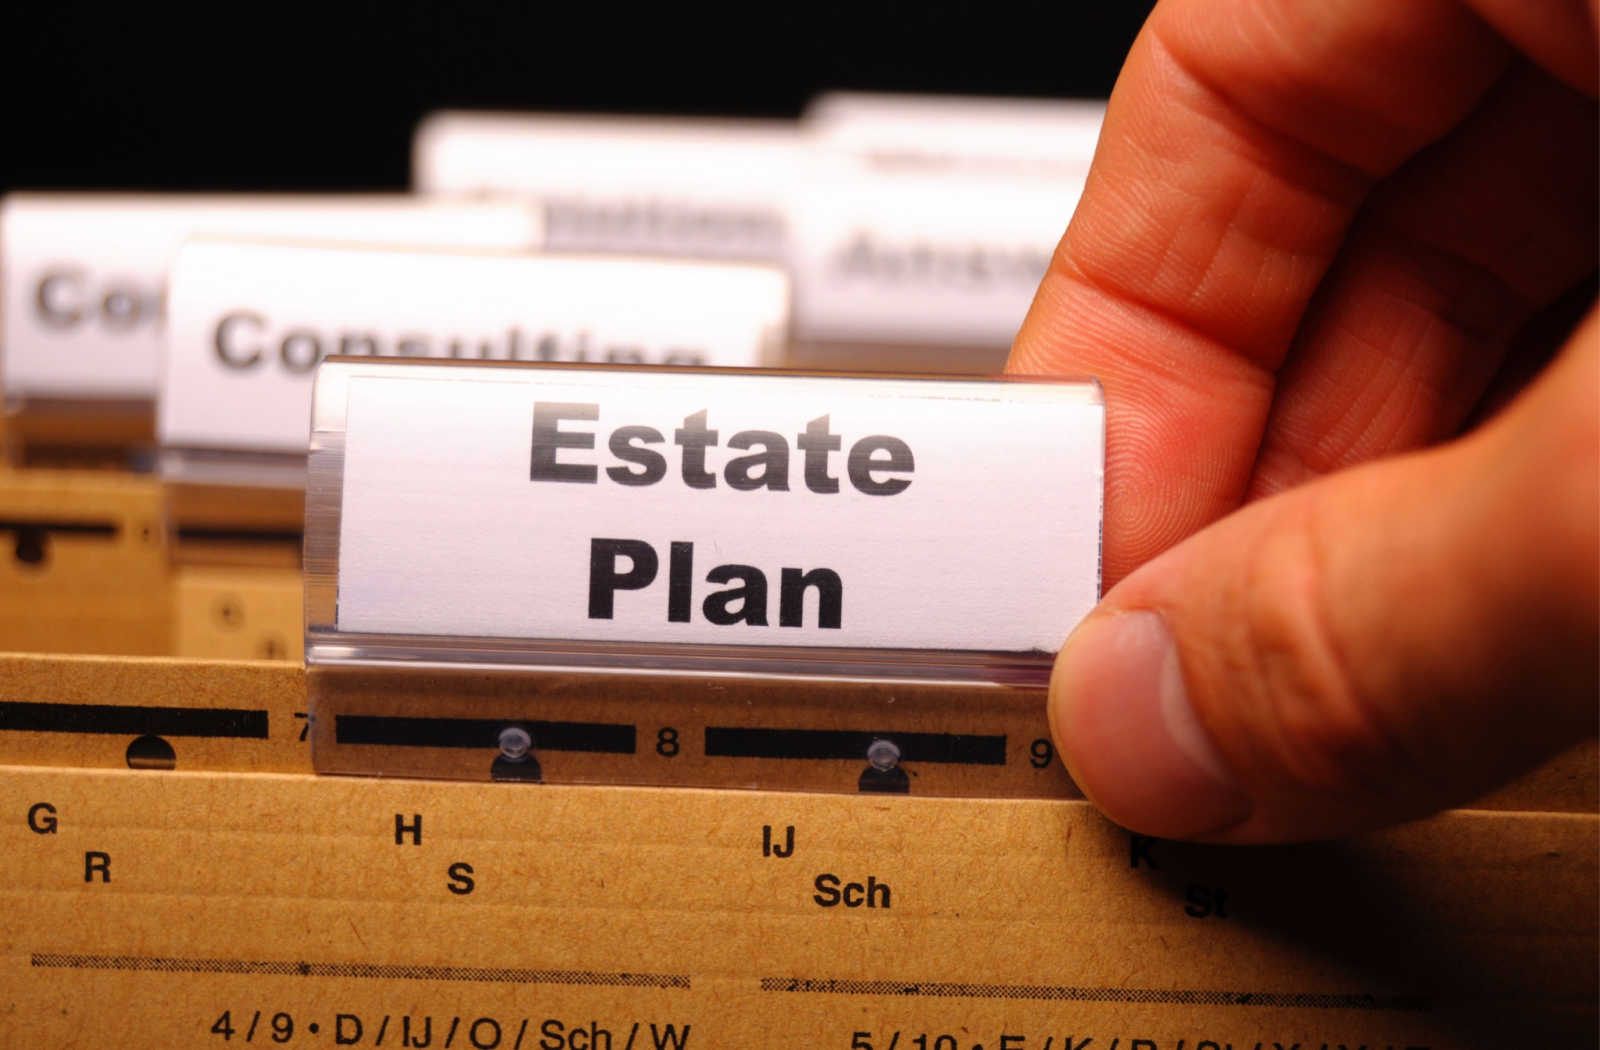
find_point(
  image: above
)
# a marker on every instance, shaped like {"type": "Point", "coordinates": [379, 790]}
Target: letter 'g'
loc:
{"type": "Point", "coordinates": [42, 818]}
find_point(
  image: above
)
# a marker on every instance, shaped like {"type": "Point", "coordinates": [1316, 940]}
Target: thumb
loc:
{"type": "Point", "coordinates": [1364, 649]}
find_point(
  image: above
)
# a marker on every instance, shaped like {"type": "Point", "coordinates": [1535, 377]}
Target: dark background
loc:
{"type": "Point", "coordinates": [302, 97]}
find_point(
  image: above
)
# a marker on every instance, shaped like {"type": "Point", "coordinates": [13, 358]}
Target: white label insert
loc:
{"type": "Point", "coordinates": [950, 259]}
{"type": "Point", "coordinates": [251, 321]}
{"type": "Point", "coordinates": [660, 507]}
{"type": "Point", "coordinates": [696, 188]}
{"type": "Point", "coordinates": [951, 133]}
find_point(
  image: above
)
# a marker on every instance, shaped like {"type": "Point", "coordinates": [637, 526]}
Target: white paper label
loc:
{"type": "Point", "coordinates": [697, 188]}
{"type": "Point", "coordinates": [913, 257]}
{"type": "Point", "coordinates": [85, 274]}
{"type": "Point", "coordinates": [1000, 136]}
{"type": "Point", "coordinates": [693, 508]}
{"type": "Point", "coordinates": [250, 322]}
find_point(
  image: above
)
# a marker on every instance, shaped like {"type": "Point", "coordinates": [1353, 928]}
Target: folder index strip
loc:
{"type": "Point", "coordinates": [964, 749]}
{"type": "Point", "coordinates": [390, 731]}
{"type": "Point", "coordinates": [127, 719]}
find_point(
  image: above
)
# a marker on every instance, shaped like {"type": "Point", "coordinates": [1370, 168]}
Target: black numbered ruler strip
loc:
{"type": "Point", "coordinates": [855, 737]}
{"type": "Point", "coordinates": [64, 710]}
{"type": "Point", "coordinates": [190, 716]}
{"type": "Point", "coordinates": [177, 910]}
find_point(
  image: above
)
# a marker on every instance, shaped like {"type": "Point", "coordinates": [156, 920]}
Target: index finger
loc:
{"type": "Point", "coordinates": [1240, 141]}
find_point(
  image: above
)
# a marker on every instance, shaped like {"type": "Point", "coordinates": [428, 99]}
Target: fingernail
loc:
{"type": "Point", "coordinates": [1122, 715]}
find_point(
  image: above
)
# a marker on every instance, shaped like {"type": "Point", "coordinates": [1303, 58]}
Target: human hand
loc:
{"type": "Point", "coordinates": [1356, 585]}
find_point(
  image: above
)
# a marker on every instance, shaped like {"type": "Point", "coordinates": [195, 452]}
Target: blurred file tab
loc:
{"type": "Point", "coordinates": [251, 320]}
{"type": "Point", "coordinates": [921, 258]}
{"type": "Point", "coordinates": [85, 275]}
{"type": "Point", "coordinates": [1013, 136]}
{"type": "Point", "coordinates": [706, 188]}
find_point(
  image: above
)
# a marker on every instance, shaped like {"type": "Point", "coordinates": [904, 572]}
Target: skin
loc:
{"type": "Point", "coordinates": [1333, 266]}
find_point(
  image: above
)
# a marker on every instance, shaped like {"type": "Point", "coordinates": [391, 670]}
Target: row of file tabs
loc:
{"type": "Point", "coordinates": [882, 232]}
